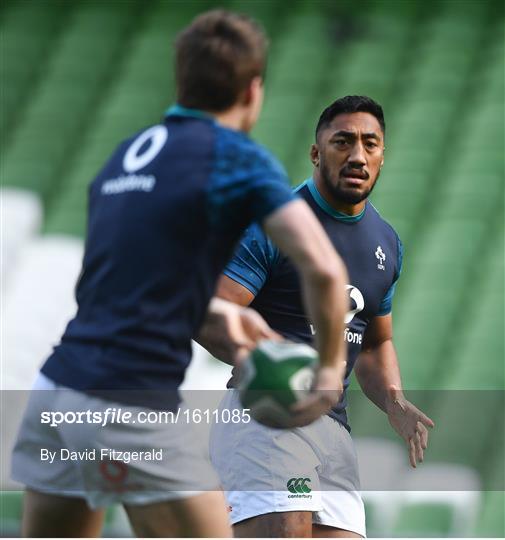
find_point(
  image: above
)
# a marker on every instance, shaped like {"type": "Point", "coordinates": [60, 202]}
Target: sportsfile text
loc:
{"type": "Point", "coordinates": [113, 415]}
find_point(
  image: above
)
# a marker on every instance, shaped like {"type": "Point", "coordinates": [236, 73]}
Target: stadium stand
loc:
{"type": "Point", "coordinates": [381, 463]}
{"type": "Point", "coordinates": [77, 77]}
{"type": "Point", "coordinates": [40, 297]}
{"type": "Point", "coordinates": [451, 513]}
{"type": "Point", "coordinates": [28, 31]}
{"type": "Point", "coordinates": [21, 219]}
{"type": "Point", "coordinates": [55, 116]}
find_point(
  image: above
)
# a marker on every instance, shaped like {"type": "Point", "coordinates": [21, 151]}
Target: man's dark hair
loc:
{"type": "Point", "coordinates": [351, 104]}
{"type": "Point", "coordinates": [217, 56]}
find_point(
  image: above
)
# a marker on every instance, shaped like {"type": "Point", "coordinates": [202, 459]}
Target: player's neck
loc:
{"type": "Point", "coordinates": [336, 204]}
{"type": "Point", "coordinates": [234, 118]}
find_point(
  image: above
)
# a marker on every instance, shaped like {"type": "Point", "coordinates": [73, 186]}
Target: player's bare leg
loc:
{"type": "Point", "coordinates": [46, 516]}
{"type": "Point", "coordinates": [201, 516]}
{"type": "Point", "coordinates": [276, 524]}
{"type": "Point", "coordinates": [323, 531]}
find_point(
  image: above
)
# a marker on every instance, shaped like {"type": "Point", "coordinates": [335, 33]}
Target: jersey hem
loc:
{"type": "Point", "coordinates": [297, 508]}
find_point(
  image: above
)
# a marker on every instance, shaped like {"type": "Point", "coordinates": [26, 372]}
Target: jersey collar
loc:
{"type": "Point", "coordinates": [327, 208]}
{"type": "Point", "coordinates": [179, 110]}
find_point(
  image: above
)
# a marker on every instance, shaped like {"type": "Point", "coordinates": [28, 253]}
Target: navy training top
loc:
{"type": "Point", "coordinates": [165, 213]}
{"type": "Point", "coordinates": [369, 247]}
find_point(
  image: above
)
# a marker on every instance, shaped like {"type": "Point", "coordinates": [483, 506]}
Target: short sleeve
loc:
{"type": "Point", "coordinates": [253, 259]}
{"type": "Point", "coordinates": [387, 301]}
{"type": "Point", "coordinates": [246, 184]}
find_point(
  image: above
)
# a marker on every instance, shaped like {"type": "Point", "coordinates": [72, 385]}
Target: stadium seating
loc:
{"type": "Point", "coordinates": [10, 505]}
{"type": "Point", "coordinates": [440, 500]}
{"type": "Point", "coordinates": [54, 117]}
{"type": "Point", "coordinates": [21, 219]}
{"type": "Point", "coordinates": [28, 31]}
{"type": "Point", "coordinates": [491, 521]}
{"type": "Point", "coordinates": [381, 463]}
{"type": "Point", "coordinates": [39, 297]}
{"type": "Point", "coordinates": [77, 77]}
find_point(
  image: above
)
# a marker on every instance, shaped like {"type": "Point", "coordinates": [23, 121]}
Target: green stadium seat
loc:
{"type": "Point", "coordinates": [483, 341]}
{"type": "Point", "coordinates": [461, 205]}
{"type": "Point", "coordinates": [400, 204]}
{"type": "Point", "coordinates": [466, 11]}
{"type": "Point", "coordinates": [10, 513]}
{"type": "Point", "coordinates": [268, 13]}
{"type": "Point", "coordinates": [470, 184]}
{"type": "Point", "coordinates": [456, 408]}
{"type": "Point", "coordinates": [453, 240]}
{"type": "Point", "coordinates": [439, 500]}
{"type": "Point", "coordinates": [27, 34]}
{"type": "Point", "coordinates": [33, 15]}
{"type": "Point", "coordinates": [79, 62]}
{"type": "Point", "coordinates": [492, 519]}
{"type": "Point", "coordinates": [426, 520]}
{"type": "Point", "coordinates": [277, 129]}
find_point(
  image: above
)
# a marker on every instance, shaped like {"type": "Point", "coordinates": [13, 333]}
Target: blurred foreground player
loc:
{"type": "Point", "coordinates": [164, 215]}
{"type": "Point", "coordinates": [305, 482]}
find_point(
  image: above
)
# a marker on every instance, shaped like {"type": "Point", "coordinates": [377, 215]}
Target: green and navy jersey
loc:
{"type": "Point", "coordinates": [371, 251]}
{"type": "Point", "coordinates": [165, 213]}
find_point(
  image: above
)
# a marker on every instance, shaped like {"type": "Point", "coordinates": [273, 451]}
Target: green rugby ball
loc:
{"type": "Point", "coordinates": [276, 375]}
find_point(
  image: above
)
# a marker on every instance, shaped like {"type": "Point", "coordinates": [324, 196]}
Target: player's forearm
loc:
{"type": "Point", "coordinates": [327, 303]}
{"type": "Point", "coordinates": [215, 346]}
{"type": "Point", "coordinates": [230, 331]}
{"type": "Point", "coordinates": [212, 335]}
{"type": "Point", "coordinates": [377, 370]}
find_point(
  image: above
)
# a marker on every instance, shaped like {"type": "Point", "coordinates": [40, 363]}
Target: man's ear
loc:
{"type": "Point", "coordinates": [314, 155]}
{"type": "Point", "coordinates": [251, 93]}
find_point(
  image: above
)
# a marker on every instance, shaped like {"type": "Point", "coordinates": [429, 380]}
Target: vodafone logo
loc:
{"type": "Point", "coordinates": [150, 142]}
{"type": "Point", "coordinates": [357, 303]}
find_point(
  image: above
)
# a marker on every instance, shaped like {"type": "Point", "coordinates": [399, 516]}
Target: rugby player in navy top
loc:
{"type": "Point", "coordinates": [305, 482]}
{"type": "Point", "coordinates": [165, 213]}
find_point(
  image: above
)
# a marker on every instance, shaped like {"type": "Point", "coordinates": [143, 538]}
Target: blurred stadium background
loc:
{"type": "Point", "coordinates": [78, 76]}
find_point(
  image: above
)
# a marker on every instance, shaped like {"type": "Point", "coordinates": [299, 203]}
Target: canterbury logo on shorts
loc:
{"type": "Point", "coordinates": [298, 485]}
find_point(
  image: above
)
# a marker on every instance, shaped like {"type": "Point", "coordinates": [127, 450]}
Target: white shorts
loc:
{"type": "Point", "coordinates": [266, 470]}
{"type": "Point", "coordinates": [172, 461]}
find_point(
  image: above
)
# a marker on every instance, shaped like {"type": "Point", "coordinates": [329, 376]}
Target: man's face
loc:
{"type": "Point", "coordinates": [349, 154]}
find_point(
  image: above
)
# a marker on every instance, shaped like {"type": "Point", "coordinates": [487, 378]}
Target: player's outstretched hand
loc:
{"type": "Point", "coordinates": [328, 388]}
{"type": "Point", "coordinates": [230, 331]}
{"type": "Point", "coordinates": [410, 423]}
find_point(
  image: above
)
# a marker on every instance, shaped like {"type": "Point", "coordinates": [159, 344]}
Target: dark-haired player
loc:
{"type": "Point", "coordinates": [164, 215]}
{"type": "Point", "coordinates": [305, 482]}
